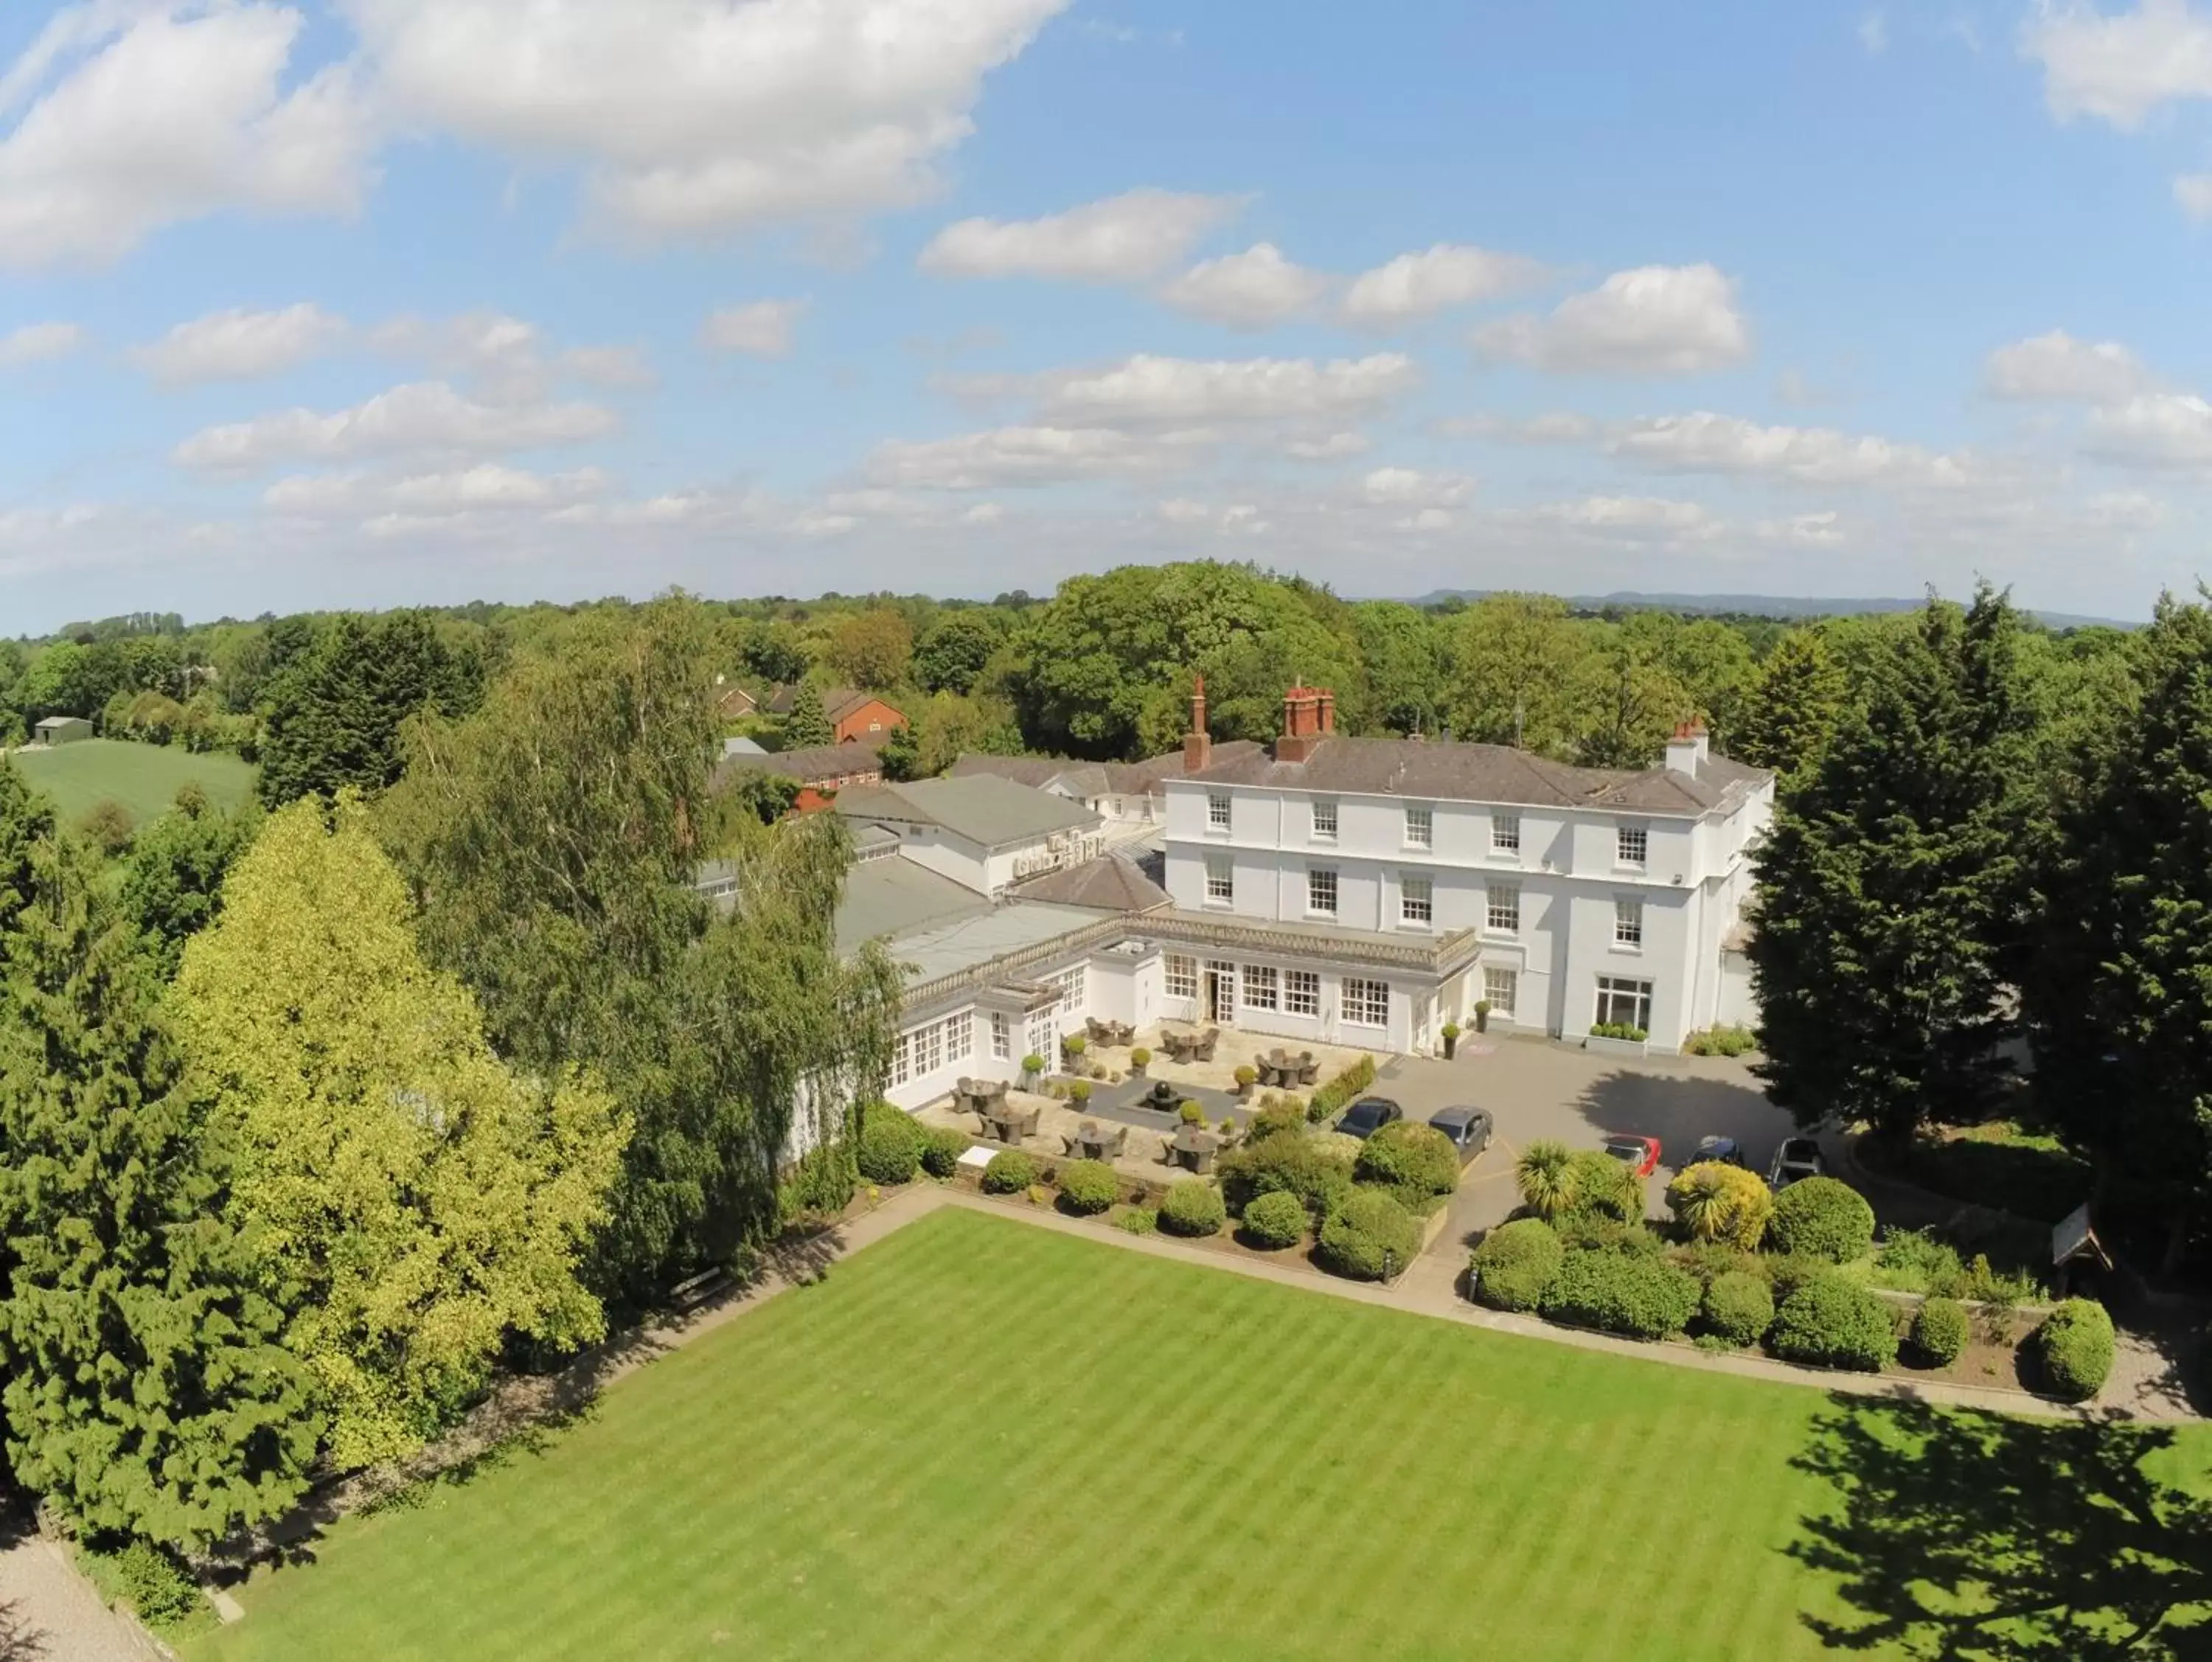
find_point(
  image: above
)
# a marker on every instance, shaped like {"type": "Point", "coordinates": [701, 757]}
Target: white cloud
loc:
{"type": "Point", "coordinates": [39, 342]}
{"type": "Point", "coordinates": [760, 328]}
{"type": "Point", "coordinates": [487, 486]}
{"type": "Point", "coordinates": [1706, 443]}
{"type": "Point", "coordinates": [2192, 194]}
{"type": "Point", "coordinates": [2120, 66]}
{"type": "Point", "coordinates": [1400, 487]}
{"type": "Point", "coordinates": [1238, 519]}
{"type": "Point", "coordinates": [1655, 320]}
{"type": "Point", "coordinates": [138, 119]}
{"type": "Point", "coordinates": [474, 343]}
{"type": "Point", "coordinates": [1553, 427]}
{"type": "Point", "coordinates": [1636, 514]}
{"type": "Point", "coordinates": [1256, 289]}
{"type": "Point", "coordinates": [1022, 456]}
{"type": "Point", "coordinates": [698, 117]}
{"type": "Point", "coordinates": [1428, 519]}
{"type": "Point", "coordinates": [241, 345]}
{"type": "Point", "coordinates": [1336, 447]}
{"type": "Point", "coordinates": [1121, 238]}
{"type": "Point", "coordinates": [2155, 429]}
{"type": "Point", "coordinates": [1874, 32]}
{"type": "Point", "coordinates": [2058, 368]}
{"type": "Point", "coordinates": [982, 513]}
{"type": "Point", "coordinates": [606, 366]}
{"type": "Point", "coordinates": [422, 416]}
{"type": "Point", "coordinates": [1151, 389]}
{"type": "Point", "coordinates": [1418, 285]}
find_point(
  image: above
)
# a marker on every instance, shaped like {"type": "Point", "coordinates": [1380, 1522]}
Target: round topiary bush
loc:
{"type": "Point", "coordinates": [1833, 1323]}
{"type": "Point", "coordinates": [1515, 1265]}
{"type": "Point", "coordinates": [1088, 1187]}
{"type": "Point", "coordinates": [1739, 1307]}
{"type": "Point", "coordinates": [1010, 1172]}
{"type": "Point", "coordinates": [1939, 1332]}
{"type": "Point", "coordinates": [2075, 1347]}
{"type": "Point", "coordinates": [1644, 1298]}
{"type": "Point", "coordinates": [1824, 1218]}
{"type": "Point", "coordinates": [1417, 1160]}
{"type": "Point", "coordinates": [1190, 1113]}
{"type": "Point", "coordinates": [941, 1149]}
{"type": "Point", "coordinates": [1193, 1207]}
{"type": "Point", "coordinates": [1274, 1220]}
{"type": "Point", "coordinates": [1369, 1236]}
{"type": "Point", "coordinates": [891, 1145]}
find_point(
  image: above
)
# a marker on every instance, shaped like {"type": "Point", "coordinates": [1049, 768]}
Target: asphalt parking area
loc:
{"type": "Point", "coordinates": [1536, 1090]}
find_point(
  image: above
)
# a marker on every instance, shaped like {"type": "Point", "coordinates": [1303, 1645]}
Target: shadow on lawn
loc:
{"type": "Point", "coordinates": [1965, 1534]}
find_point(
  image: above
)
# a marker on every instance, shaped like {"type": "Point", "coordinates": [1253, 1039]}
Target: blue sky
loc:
{"type": "Point", "coordinates": [390, 301]}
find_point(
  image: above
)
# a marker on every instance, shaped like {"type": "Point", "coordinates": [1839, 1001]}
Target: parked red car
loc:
{"type": "Point", "coordinates": [1639, 1154]}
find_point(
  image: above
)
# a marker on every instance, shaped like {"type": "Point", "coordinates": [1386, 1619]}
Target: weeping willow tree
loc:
{"type": "Point", "coordinates": [555, 839]}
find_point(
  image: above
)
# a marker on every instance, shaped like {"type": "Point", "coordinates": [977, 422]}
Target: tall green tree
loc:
{"type": "Point", "coordinates": [172, 884]}
{"type": "Point", "coordinates": [808, 724]}
{"type": "Point", "coordinates": [1889, 911]}
{"type": "Point", "coordinates": [951, 656]}
{"type": "Point", "coordinates": [333, 715]}
{"type": "Point", "coordinates": [415, 1201]}
{"type": "Point", "coordinates": [554, 838]}
{"type": "Point", "coordinates": [2120, 995]}
{"type": "Point", "coordinates": [1515, 680]}
{"type": "Point", "coordinates": [1792, 706]}
{"type": "Point", "coordinates": [147, 1392]}
{"type": "Point", "coordinates": [871, 649]}
{"type": "Point", "coordinates": [1403, 650]}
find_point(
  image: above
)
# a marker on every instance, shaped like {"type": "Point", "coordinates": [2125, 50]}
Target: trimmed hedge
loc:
{"type": "Point", "coordinates": [1517, 1263]}
{"type": "Point", "coordinates": [1369, 1235]}
{"type": "Point", "coordinates": [1834, 1322]}
{"type": "Point", "coordinates": [1010, 1170]}
{"type": "Point", "coordinates": [1417, 1160]}
{"type": "Point", "coordinates": [1739, 1306]}
{"type": "Point", "coordinates": [1824, 1217]}
{"type": "Point", "coordinates": [1285, 1162]}
{"type": "Point", "coordinates": [1644, 1298]}
{"type": "Point", "coordinates": [1275, 1219]}
{"type": "Point", "coordinates": [1940, 1331]}
{"type": "Point", "coordinates": [941, 1149]}
{"type": "Point", "coordinates": [1334, 1097]}
{"type": "Point", "coordinates": [891, 1144]}
{"type": "Point", "coordinates": [1088, 1187]}
{"type": "Point", "coordinates": [1193, 1207]}
{"type": "Point", "coordinates": [2075, 1346]}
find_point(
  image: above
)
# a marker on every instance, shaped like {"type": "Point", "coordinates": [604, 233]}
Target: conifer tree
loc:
{"type": "Point", "coordinates": [147, 1392]}
{"type": "Point", "coordinates": [1793, 705]}
{"type": "Point", "coordinates": [808, 724]}
{"type": "Point", "coordinates": [1889, 912]}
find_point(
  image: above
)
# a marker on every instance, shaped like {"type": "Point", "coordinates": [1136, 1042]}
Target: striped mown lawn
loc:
{"type": "Point", "coordinates": [981, 1439]}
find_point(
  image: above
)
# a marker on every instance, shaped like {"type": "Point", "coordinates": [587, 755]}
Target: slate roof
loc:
{"type": "Point", "coordinates": [1107, 884]}
{"type": "Point", "coordinates": [887, 898]}
{"type": "Point", "coordinates": [810, 766]}
{"type": "Point", "coordinates": [1491, 773]}
{"type": "Point", "coordinates": [1096, 779]}
{"type": "Point", "coordinates": [982, 808]}
{"type": "Point", "coordinates": [838, 703]}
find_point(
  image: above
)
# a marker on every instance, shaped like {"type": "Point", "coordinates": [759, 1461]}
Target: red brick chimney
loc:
{"type": "Point", "coordinates": [1197, 745]}
{"type": "Point", "coordinates": [1304, 719]}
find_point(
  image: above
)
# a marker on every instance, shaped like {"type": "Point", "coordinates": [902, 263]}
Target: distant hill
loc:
{"type": "Point", "coordinates": [1757, 606]}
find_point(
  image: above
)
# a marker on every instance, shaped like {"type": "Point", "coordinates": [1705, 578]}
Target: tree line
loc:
{"type": "Point", "coordinates": [1988, 883]}
{"type": "Point", "coordinates": [316, 1115]}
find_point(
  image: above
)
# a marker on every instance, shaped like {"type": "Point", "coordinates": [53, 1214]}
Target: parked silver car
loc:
{"type": "Point", "coordinates": [1797, 1157]}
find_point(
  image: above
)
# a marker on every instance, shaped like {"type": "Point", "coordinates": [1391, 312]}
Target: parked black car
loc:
{"type": "Point", "coordinates": [1797, 1157]}
{"type": "Point", "coordinates": [1468, 1129]}
{"type": "Point", "coordinates": [1369, 1114]}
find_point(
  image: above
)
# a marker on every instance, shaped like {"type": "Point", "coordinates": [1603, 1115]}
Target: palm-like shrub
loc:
{"type": "Point", "coordinates": [1602, 1185]}
{"type": "Point", "coordinates": [1545, 1175]}
{"type": "Point", "coordinates": [1716, 1201]}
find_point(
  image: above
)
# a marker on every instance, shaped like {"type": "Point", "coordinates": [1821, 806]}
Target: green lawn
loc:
{"type": "Point", "coordinates": [144, 778]}
{"type": "Point", "coordinates": [981, 1439]}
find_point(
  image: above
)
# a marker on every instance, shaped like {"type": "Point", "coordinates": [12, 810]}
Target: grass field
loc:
{"type": "Point", "coordinates": [144, 778]}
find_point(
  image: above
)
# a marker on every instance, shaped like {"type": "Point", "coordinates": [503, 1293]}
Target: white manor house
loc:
{"type": "Point", "coordinates": [1356, 892]}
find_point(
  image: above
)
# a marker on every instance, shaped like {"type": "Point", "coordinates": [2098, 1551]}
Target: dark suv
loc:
{"type": "Point", "coordinates": [1368, 1115]}
{"type": "Point", "coordinates": [1467, 1129]}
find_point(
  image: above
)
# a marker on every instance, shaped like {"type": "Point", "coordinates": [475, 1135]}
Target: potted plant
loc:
{"type": "Point", "coordinates": [1073, 1047]}
{"type": "Point", "coordinates": [1139, 1059]}
{"type": "Point", "coordinates": [1032, 1065]}
{"type": "Point", "coordinates": [1482, 1015]}
{"type": "Point", "coordinates": [1451, 1039]}
{"type": "Point", "coordinates": [1190, 1113]}
{"type": "Point", "coordinates": [1247, 1077]}
{"type": "Point", "coordinates": [1080, 1092]}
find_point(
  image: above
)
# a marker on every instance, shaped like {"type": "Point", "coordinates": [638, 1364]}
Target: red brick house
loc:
{"type": "Point", "coordinates": [855, 717]}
